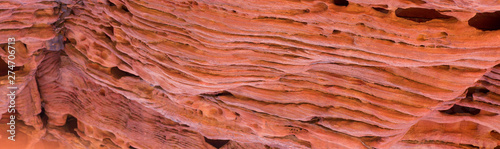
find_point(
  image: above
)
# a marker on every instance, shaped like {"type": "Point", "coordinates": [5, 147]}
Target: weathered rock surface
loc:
{"type": "Point", "coordinates": [253, 74]}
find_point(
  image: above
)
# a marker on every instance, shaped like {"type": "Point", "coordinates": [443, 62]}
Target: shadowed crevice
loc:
{"type": "Point", "coordinates": [382, 10]}
{"type": "Point", "coordinates": [4, 68]}
{"type": "Point", "coordinates": [44, 117]}
{"type": "Point", "coordinates": [420, 14]}
{"type": "Point", "coordinates": [71, 124]}
{"type": "Point", "coordinates": [341, 2]}
{"type": "Point", "coordinates": [117, 73]}
{"type": "Point", "coordinates": [477, 91]}
{"type": "Point", "coordinates": [461, 109]}
{"type": "Point", "coordinates": [486, 21]}
{"type": "Point", "coordinates": [216, 143]}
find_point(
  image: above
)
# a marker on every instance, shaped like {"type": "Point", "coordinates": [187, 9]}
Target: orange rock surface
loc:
{"type": "Point", "coordinates": [228, 74]}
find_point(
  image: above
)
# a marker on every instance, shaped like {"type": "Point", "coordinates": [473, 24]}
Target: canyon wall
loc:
{"type": "Point", "coordinates": [267, 74]}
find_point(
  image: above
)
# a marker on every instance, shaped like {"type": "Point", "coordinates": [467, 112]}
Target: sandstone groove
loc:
{"type": "Point", "coordinates": [254, 74]}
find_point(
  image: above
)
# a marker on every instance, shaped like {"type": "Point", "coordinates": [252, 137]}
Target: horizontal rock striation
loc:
{"type": "Point", "coordinates": [253, 74]}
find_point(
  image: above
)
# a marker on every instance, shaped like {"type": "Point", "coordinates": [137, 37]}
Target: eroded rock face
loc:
{"type": "Point", "coordinates": [253, 74]}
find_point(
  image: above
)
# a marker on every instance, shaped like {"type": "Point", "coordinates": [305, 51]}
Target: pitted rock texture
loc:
{"type": "Point", "coordinates": [253, 74]}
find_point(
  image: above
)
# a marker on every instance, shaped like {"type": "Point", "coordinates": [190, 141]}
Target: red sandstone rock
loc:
{"type": "Point", "coordinates": [253, 74]}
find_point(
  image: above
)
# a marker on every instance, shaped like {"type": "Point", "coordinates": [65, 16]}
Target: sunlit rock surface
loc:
{"type": "Point", "coordinates": [253, 74]}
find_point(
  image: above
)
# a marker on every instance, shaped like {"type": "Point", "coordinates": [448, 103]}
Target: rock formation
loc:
{"type": "Point", "coordinates": [232, 74]}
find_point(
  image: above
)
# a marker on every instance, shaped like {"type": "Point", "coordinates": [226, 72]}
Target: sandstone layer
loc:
{"type": "Point", "coordinates": [253, 74]}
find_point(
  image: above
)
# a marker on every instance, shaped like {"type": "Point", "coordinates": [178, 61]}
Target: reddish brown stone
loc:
{"type": "Point", "coordinates": [252, 74]}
